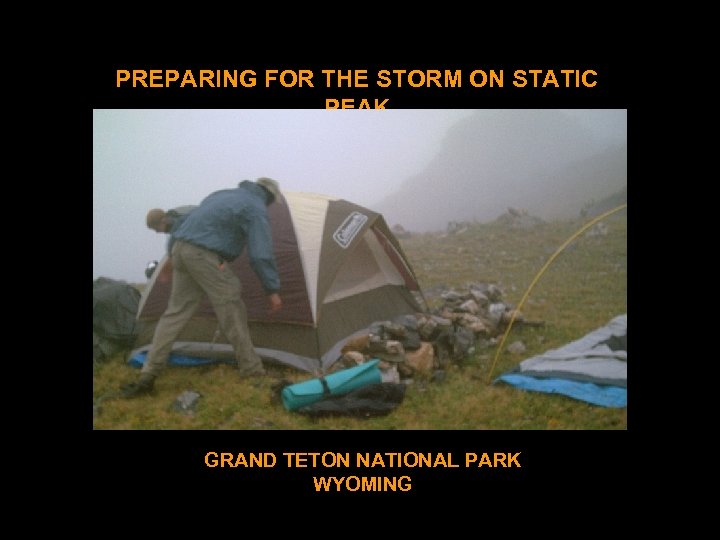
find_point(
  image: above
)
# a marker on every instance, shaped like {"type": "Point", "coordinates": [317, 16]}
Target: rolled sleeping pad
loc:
{"type": "Point", "coordinates": [305, 393]}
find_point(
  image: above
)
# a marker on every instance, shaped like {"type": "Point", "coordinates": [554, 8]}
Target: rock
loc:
{"type": "Point", "coordinates": [378, 329]}
{"type": "Point", "coordinates": [463, 344]}
{"type": "Point", "coordinates": [376, 344]}
{"type": "Point", "coordinates": [422, 361]}
{"type": "Point", "coordinates": [394, 330]}
{"type": "Point", "coordinates": [394, 347]}
{"type": "Point", "coordinates": [391, 375]}
{"type": "Point", "coordinates": [507, 316]}
{"type": "Point", "coordinates": [442, 321]}
{"type": "Point", "coordinates": [390, 357]}
{"type": "Point", "coordinates": [517, 347]}
{"type": "Point", "coordinates": [467, 320]}
{"type": "Point", "coordinates": [495, 313]}
{"type": "Point", "coordinates": [354, 358]}
{"type": "Point", "coordinates": [404, 370]}
{"type": "Point", "coordinates": [470, 306]}
{"type": "Point", "coordinates": [427, 329]}
{"type": "Point", "coordinates": [359, 343]}
{"type": "Point", "coordinates": [450, 315]}
{"type": "Point", "coordinates": [411, 341]}
{"type": "Point", "coordinates": [186, 402]}
{"type": "Point", "coordinates": [410, 322]}
{"type": "Point", "coordinates": [494, 293]}
{"type": "Point", "coordinates": [480, 299]}
{"type": "Point", "coordinates": [478, 327]}
{"type": "Point", "coordinates": [451, 296]}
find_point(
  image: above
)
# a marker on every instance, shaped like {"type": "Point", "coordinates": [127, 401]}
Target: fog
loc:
{"type": "Point", "coordinates": [549, 163]}
{"type": "Point", "coordinates": [392, 161]}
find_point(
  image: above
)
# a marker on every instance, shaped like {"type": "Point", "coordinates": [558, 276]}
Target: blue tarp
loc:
{"type": "Point", "coordinates": [605, 396]}
{"type": "Point", "coordinates": [137, 360]}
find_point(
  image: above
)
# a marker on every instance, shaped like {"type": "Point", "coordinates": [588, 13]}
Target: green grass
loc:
{"type": "Point", "coordinates": [582, 290]}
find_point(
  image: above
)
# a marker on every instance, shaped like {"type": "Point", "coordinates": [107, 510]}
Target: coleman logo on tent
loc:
{"type": "Point", "coordinates": [349, 229]}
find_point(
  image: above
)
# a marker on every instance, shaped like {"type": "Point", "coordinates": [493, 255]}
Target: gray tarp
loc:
{"type": "Point", "coordinates": [115, 305]}
{"type": "Point", "coordinates": [596, 357]}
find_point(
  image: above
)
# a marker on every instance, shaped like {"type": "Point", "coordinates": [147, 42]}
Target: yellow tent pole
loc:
{"type": "Point", "coordinates": [541, 272]}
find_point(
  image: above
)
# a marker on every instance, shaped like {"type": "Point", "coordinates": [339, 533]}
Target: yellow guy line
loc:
{"type": "Point", "coordinates": [540, 273]}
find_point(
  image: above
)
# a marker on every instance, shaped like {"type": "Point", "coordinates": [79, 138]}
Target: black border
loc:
{"type": "Point", "coordinates": [168, 461]}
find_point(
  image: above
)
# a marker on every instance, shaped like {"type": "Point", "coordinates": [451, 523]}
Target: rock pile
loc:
{"type": "Point", "coordinates": [421, 344]}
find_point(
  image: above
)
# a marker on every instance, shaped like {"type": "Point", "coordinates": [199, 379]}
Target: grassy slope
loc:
{"type": "Point", "coordinates": [584, 288]}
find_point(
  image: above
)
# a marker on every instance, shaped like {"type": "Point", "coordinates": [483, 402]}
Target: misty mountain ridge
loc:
{"type": "Point", "coordinates": [543, 161]}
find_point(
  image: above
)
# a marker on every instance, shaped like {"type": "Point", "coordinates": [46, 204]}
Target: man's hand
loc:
{"type": "Point", "coordinates": [275, 302]}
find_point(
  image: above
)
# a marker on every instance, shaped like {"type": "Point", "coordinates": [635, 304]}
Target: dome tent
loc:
{"type": "Point", "coordinates": [341, 269]}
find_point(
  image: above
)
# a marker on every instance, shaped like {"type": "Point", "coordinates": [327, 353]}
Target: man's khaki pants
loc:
{"type": "Point", "coordinates": [198, 272]}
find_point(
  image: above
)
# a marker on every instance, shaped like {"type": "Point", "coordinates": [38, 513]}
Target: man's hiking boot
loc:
{"type": "Point", "coordinates": [143, 387]}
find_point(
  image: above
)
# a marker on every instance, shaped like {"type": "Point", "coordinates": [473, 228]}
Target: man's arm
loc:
{"type": "Point", "coordinates": [262, 258]}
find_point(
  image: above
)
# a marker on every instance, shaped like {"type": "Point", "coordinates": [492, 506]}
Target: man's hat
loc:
{"type": "Point", "coordinates": [272, 186]}
{"type": "Point", "coordinates": [154, 217]}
